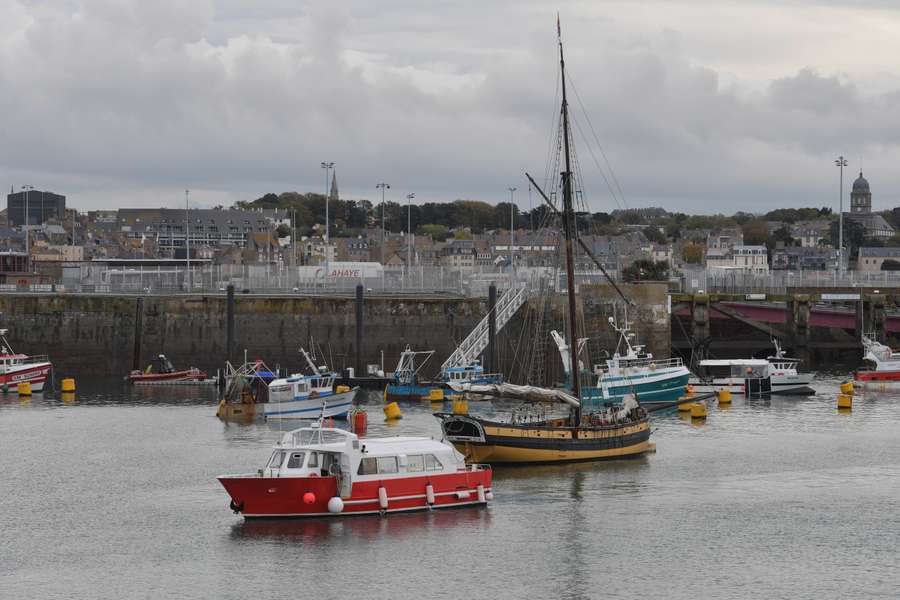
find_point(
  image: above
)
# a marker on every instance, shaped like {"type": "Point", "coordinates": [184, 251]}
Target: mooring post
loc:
{"type": "Point", "coordinates": [879, 318]}
{"type": "Point", "coordinates": [359, 329]}
{"type": "Point", "coordinates": [492, 328]}
{"type": "Point", "coordinates": [700, 331]}
{"type": "Point", "coordinates": [138, 331]}
{"type": "Point", "coordinates": [229, 323]}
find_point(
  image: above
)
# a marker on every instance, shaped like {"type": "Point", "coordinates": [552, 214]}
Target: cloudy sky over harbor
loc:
{"type": "Point", "coordinates": [703, 106]}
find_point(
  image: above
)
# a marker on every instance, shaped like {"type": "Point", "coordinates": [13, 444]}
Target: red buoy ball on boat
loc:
{"type": "Point", "coordinates": [309, 498]}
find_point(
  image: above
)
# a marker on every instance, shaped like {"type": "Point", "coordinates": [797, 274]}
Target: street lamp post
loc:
{"type": "Point", "coordinates": [383, 186]}
{"type": "Point", "coordinates": [409, 198]}
{"type": "Point", "coordinates": [326, 166]}
{"type": "Point", "coordinates": [841, 162]}
{"type": "Point", "coordinates": [26, 189]}
{"type": "Point", "coordinates": [512, 228]}
{"type": "Point", "coordinates": [187, 238]}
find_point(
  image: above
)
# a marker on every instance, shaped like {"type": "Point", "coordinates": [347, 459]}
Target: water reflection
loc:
{"type": "Point", "coordinates": [361, 527]}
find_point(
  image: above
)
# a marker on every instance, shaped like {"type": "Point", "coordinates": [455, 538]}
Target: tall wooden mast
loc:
{"type": "Point", "coordinates": [568, 230]}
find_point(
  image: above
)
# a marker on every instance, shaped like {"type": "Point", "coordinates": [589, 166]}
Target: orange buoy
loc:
{"type": "Point", "coordinates": [309, 498]}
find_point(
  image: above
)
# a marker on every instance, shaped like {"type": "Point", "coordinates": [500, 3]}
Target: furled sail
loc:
{"type": "Point", "coordinates": [520, 392]}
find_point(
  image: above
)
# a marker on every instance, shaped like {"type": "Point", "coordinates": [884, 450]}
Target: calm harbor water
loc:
{"type": "Point", "coordinates": [113, 495]}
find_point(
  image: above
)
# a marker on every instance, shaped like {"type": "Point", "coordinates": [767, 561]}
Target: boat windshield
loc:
{"type": "Point", "coordinates": [307, 437]}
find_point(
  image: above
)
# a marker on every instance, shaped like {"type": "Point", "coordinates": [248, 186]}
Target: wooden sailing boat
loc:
{"type": "Point", "coordinates": [615, 432]}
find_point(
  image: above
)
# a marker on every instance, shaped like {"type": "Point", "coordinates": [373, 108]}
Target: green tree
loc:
{"type": "Point", "coordinates": [436, 231]}
{"type": "Point", "coordinates": [692, 254]}
{"type": "Point", "coordinates": [654, 234]}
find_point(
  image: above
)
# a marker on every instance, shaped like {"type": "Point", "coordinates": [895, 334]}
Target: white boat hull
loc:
{"type": "Point", "coordinates": [336, 405]}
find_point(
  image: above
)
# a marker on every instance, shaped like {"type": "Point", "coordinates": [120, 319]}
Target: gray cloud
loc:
{"type": "Point", "coordinates": [124, 102]}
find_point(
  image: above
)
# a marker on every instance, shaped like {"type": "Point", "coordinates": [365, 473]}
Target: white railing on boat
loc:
{"type": "Point", "coordinates": [651, 363]}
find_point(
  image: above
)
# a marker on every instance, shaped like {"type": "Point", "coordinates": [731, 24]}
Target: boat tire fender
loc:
{"type": "Point", "coordinates": [236, 508]}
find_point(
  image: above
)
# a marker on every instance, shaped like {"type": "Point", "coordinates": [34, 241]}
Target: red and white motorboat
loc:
{"type": "Point", "coordinates": [320, 471]}
{"type": "Point", "coordinates": [166, 372]}
{"type": "Point", "coordinates": [17, 368]}
{"type": "Point", "coordinates": [883, 367]}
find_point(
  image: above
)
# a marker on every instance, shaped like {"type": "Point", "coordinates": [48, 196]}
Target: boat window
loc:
{"type": "Point", "coordinates": [276, 460]}
{"type": "Point", "coordinates": [432, 463]}
{"type": "Point", "coordinates": [313, 459]}
{"type": "Point", "coordinates": [367, 466]}
{"type": "Point", "coordinates": [415, 462]}
{"type": "Point", "coordinates": [387, 464]}
{"type": "Point", "coordinates": [296, 460]}
{"type": "Point", "coordinates": [280, 388]}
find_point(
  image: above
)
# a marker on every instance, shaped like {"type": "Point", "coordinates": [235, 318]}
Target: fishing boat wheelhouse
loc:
{"type": "Point", "coordinates": [319, 471]}
{"type": "Point", "coordinates": [308, 396]}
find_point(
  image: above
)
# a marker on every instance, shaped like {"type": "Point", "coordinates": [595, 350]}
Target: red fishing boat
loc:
{"type": "Point", "coordinates": [882, 366]}
{"type": "Point", "coordinates": [18, 368]}
{"type": "Point", "coordinates": [166, 372]}
{"type": "Point", "coordinates": [319, 471]}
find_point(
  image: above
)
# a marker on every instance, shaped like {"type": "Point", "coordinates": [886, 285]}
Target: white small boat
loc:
{"type": "Point", "coordinates": [785, 375]}
{"type": "Point", "coordinates": [748, 377]}
{"type": "Point", "coordinates": [308, 396]}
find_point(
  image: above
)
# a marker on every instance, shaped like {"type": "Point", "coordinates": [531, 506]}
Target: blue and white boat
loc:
{"type": "Point", "coordinates": [309, 396]}
{"type": "Point", "coordinates": [654, 383]}
{"type": "Point", "coordinates": [406, 385]}
{"type": "Point", "coordinates": [471, 373]}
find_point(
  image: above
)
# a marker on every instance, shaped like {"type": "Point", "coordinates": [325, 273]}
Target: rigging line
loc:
{"type": "Point", "coordinates": [554, 132]}
{"type": "Point", "coordinates": [597, 139]}
{"type": "Point", "coordinates": [601, 169]}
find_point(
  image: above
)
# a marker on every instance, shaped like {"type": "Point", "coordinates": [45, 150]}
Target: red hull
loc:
{"type": "Point", "coordinates": [283, 497]}
{"type": "Point", "coordinates": [36, 375]}
{"type": "Point", "coordinates": [186, 375]}
{"type": "Point", "coordinates": [877, 376]}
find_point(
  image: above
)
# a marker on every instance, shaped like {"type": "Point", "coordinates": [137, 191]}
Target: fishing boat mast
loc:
{"type": "Point", "coordinates": [568, 231]}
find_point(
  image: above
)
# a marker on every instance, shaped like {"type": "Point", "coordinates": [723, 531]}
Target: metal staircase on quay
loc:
{"type": "Point", "coordinates": [476, 342]}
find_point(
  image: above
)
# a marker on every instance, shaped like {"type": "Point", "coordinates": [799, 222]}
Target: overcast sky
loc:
{"type": "Point", "coordinates": [703, 106]}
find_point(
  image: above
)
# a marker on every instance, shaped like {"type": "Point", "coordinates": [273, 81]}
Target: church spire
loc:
{"type": "Point", "coordinates": [334, 187]}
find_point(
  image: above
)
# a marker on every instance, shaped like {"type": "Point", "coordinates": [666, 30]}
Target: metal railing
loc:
{"type": "Point", "coordinates": [780, 282]}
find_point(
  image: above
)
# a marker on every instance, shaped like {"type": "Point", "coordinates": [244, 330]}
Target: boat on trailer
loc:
{"type": "Point", "coordinates": [16, 368]}
{"type": "Point", "coordinates": [882, 366]}
{"type": "Point", "coordinates": [320, 472]}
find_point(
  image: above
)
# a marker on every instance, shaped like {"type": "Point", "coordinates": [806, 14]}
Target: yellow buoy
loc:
{"type": "Point", "coordinates": [724, 397]}
{"type": "Point", "coordinates": [342, 389]}
{"type": "Point", "coordinates": [685, 407]}
{"type": "Point", "coordinates": [844, 401]}
{"type": "Point", "coordinates": [461, 407]}
{"type": "Point", "coordinates": [698, 410]}
{"type": "Point", "coordinates": [24, 388]}
{"type": "Point", "coordinates": [67, 397]}
{"type": "Point", "coordinates": [847, 388]}
{"type": "Point", "coordinates": [68, 384]}
{"type": "Point", "coordinates": [392, 411]}
{"type": "Point", "coordinates": [435, 395]}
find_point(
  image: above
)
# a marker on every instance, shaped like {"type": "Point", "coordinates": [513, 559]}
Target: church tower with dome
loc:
{"type": "Point", "coordinates": [861, 196]}
{"type": "Point", "coordinates": [873, 224]}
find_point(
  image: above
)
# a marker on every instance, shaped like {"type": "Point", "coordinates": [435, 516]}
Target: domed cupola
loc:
{"type": "Point", "coordinates": [861, 196]}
